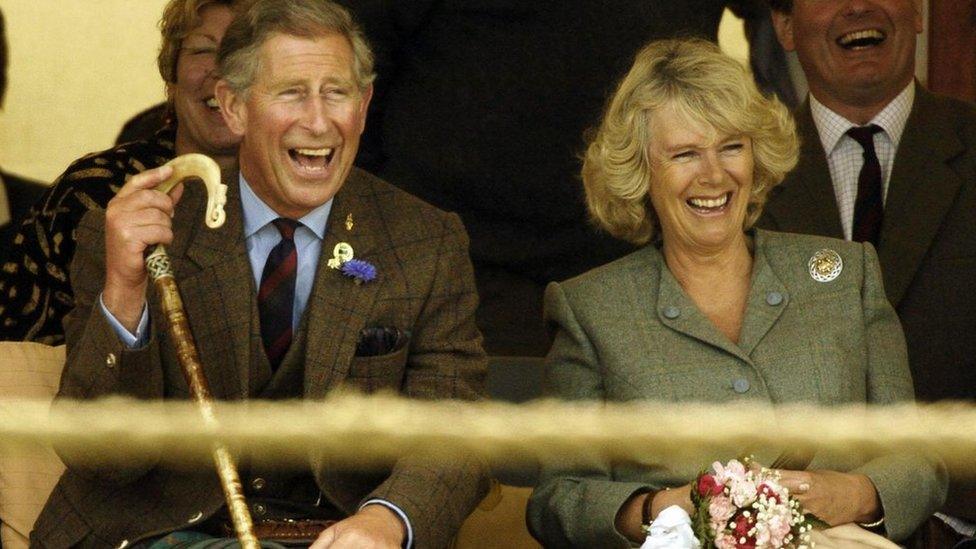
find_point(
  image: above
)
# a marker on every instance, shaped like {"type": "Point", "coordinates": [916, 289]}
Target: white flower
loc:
{"type": "Point", "coordinates": [743, 492]}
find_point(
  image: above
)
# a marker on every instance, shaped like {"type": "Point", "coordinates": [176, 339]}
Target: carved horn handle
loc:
{"type": "Point", "coordinates": [202, 167]}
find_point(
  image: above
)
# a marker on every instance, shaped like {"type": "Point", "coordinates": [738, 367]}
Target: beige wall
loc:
{"type": "Point", "coordinates": [80, 68]}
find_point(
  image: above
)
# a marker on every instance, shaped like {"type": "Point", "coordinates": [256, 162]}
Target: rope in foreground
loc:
{"type": "Point", "coordinates": [375, 429]}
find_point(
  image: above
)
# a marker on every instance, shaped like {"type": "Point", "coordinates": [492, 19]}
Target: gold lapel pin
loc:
{"type": "Point", "coordinates": [825, 265]}
{"type": "Point", "coordinates": [349, 222]}
{"type": "Point", "coordinates": [340, 254]}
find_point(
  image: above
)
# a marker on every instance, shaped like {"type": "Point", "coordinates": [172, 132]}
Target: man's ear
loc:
{"type": "Point", "coordinates": [232, 107]}
{"type": "Point", "coordinates": [783, 23]}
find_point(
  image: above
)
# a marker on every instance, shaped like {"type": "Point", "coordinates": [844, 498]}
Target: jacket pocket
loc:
{"type": "Point", "coordinates": [372, 373]}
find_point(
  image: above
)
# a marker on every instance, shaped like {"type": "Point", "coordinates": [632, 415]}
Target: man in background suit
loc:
{"type": "Point", "coordinates": [272, 317]}
{"type": "Point", "coordinates": [859, 60]}
{"type": "Point", "coordinates": [927, 153]}
{"type": "Point", "coordinates": [17, 194]}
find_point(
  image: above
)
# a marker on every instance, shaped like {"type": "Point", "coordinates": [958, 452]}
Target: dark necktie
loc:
{"type": "Point", "coordinates": [869, 207]}
{"type": "Point", "coordinates": [276, 297]}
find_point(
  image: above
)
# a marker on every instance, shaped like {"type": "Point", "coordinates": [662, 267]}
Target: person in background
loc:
{"type": "Point", "coordinates": [709, 309]}
{"type": "Point", "coordinates": [886, 161]}
{"type": "Point", "coordinates": [34, 280]}
{"type": "Point", "coordinates": [17, 194]}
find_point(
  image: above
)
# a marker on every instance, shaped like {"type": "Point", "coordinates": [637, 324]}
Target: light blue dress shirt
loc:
{"type": "Point", "coordinates": [260, 236]}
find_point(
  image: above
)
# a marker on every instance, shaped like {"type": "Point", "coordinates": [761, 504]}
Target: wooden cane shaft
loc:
{"type": "Point", "coordinates": [181, 336]}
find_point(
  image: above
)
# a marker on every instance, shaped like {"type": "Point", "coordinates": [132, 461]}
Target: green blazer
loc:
{"type": "Point", "coordinates": [627, 331]}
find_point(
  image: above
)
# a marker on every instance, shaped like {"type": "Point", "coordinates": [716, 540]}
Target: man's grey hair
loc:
{"type": "Point", "coordinates": [238, 60]}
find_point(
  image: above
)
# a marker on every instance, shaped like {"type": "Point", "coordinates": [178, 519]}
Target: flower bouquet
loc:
{"type": "Point", "coordinates": [740, 506]}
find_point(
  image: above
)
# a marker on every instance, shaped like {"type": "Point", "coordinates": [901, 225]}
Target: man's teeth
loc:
{"type": "Point", "coordinates": [709, 202]}
{"type": "Point", "coordinates": [212, 103]}
{"type": "Point", "coordinates": [865, 37]}
{"type": "Point", "coordinates": [314, 152]}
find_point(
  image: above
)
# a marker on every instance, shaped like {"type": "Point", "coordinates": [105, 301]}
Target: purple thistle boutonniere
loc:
{"type": "Point", "coordinates": [361, 271]}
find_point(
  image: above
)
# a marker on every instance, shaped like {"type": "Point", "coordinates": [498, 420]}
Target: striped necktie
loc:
{"type": "Point", "coordinates": [276, 296]}
{"type": "Point", "coordinates": [869, 205]}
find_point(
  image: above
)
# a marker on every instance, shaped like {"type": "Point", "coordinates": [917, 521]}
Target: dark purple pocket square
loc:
{"type": "Point", "coordinates": [380, 340]}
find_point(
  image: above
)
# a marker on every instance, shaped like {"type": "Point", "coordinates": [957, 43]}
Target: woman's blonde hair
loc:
{"type": "Point", "coordinates": [706, 87]}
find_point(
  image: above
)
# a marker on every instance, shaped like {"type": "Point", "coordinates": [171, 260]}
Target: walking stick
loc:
{"type": "Point", "coordinates": [157, 263]}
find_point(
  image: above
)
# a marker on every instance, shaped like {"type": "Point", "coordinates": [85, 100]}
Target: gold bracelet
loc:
{"type": "Point", "coordinates": [874, 524]}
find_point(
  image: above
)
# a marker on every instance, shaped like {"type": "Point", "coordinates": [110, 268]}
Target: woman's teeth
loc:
{"type": "Point", "coordinates": [709, 203]}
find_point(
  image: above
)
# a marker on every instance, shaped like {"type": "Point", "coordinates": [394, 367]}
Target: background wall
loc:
{"type": "Point", "coordinates": [80, 68]}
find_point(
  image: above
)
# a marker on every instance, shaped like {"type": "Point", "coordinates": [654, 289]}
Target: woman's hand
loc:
{"type": "Point", "coordinates": [680, 496]}
{"type": "Point", "coordinates": [835, 498]}
{"type": "Point", "coordinates": [630, 516]}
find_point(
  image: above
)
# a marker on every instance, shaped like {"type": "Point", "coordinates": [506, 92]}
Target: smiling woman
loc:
{"type": "Point", "coordinates": [712, 310]}
{"type": "Point", "coordinates": [35, 279]}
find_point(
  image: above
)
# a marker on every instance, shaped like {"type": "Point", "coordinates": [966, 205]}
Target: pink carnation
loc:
{"type": "Point", "coordinates": [720, 509]}
{"type": "Point", "coordinates": [743, 492]}
{"type": "Point", "coordinates": [734, 470]}
{"type": "Point", "coordinates": [725, 541]}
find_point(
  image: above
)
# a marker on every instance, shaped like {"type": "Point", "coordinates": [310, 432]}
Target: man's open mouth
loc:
{"type": "Point", "coordinates": [860, 39]}
{"type": "Point", "coordinates": [212, 104]}
{"type": "Point", "coordinates": [312, 159]}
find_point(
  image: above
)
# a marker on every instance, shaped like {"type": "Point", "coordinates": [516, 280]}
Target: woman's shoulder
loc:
{"type": "Point", "coordinates": [805, 254]}
{"type": "Point", "coordinates": [645, 263]}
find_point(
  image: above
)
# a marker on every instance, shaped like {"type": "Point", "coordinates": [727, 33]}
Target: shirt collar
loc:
{"type": "Point", "coordinates": [257, 213]}
{"type": "Point", "coordinates": [892, 119]}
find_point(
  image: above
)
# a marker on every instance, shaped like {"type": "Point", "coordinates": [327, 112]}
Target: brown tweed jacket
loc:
{"type": "Point", "coordinates": [425, 285]}
{"type": "Point", "coordinates": [928, 238]}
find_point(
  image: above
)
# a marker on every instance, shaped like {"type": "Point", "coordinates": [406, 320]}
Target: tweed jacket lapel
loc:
{"type": "Point", "coordinates": [805, 201]}
{"type": "Point", "coordinates": [689, 320]}
{"type": "Point", "coordinates": [759, 317]}
{"type": "Point", "coordinates": [761, 313]}
{"type": "Point", "coordinates": [921, 191]}
{"type": "Point", "coordinates": [217, 286]}
{"type": "Point", "coordinates": [338, 308]}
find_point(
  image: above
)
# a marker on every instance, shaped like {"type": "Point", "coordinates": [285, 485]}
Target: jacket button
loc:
{"type": "Point", "coordinates": [258, 484]}
{"type": "Point", "coordinates": [741, 385]}
{"type": "Point", "coordinates": [110, 360]}
{"type": "Point", "coordinates": [672, 313]}
{"type": "Point", "coordinates": [260, 509]}
{"type": "Point", "coordinates": [774, 298]}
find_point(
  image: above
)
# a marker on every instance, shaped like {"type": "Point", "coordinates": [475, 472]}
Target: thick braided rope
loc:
{"type": "Point", "coordinates": [366, 429]}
